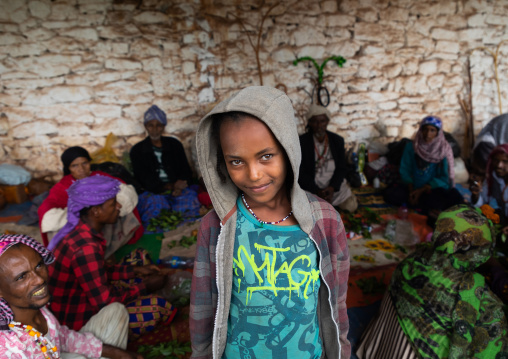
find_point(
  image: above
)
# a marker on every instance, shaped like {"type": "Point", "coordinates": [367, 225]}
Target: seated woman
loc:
{"type": "Point", "coordinates": [437, 306]}
{"type": "Point", "coordinates": [323, 167]}
{"type": "Point", "coordinates": [426, 171]}
{"type": "Point", "coordinates": [160, 165]}
{"type": "Point", "coordinates": [496, 182]}
{"type": "Point", "coordinates": [494, 133]}
{"type": "Point", "coordinates": [53, 211]}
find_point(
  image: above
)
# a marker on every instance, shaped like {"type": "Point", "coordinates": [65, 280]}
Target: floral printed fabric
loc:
{"type": "Point", "coordinates": [444, 307]}
{"type": "Point", "coordinates": [22, 346]}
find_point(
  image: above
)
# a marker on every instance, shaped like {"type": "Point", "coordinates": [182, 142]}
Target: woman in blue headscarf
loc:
{"type": "Point", "coordinates": [426, 171]}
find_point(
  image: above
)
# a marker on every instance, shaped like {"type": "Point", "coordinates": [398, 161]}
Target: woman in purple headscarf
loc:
{"type": "Point", "coordinates": [426, 171]}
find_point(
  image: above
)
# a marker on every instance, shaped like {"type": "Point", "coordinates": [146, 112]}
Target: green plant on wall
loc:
{"type": "Point", "coordinates": [320, 69]}
{"type": "Point", "coordinates": [323, 96]}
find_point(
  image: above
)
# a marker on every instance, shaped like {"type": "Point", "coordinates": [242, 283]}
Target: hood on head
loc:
{"type": "Point", "coordinates": [269, 105]}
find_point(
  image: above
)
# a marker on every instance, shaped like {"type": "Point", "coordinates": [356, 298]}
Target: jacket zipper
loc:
{"type": "Point", "coordinates": [214, 336]}
{"type": "Point", "coordinates": [329, 294]}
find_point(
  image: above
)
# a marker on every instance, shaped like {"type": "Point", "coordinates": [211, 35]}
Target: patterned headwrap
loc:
{"type": "Point", "coordinates": [316, 110]}
{"type": "Point", "coordinates": [444, 306]}
{"type": "Point", "coordinates": [155, 113]}
{"type": "Point", "coordinates": [6, 242]}
{"type": "Point", "coordinates": [87, 192]}
{"type": "Point", "coordinates": [490, 167]}
{"type": "Point", "coordinates": [433, 121]}
{"type": "Point", "coordinates": [438, 149]}
{"type": "Point", "coordinates": [70, 155]}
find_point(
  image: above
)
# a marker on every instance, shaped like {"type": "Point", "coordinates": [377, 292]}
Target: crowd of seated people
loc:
{"type": "Point", "coordinates": [89, 214]}
{"type": "Point", "coordinates": [81, 281]}
{"type": "Point", "coordinates": [53, 210]}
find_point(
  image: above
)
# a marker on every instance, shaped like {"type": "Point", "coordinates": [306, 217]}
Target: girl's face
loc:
{"type": "Point", "coordinates": [429, 132]}
{"type": "Point", "coordinates": [254, 159]}
{"type": "Point", "coordinates": [500, 164]}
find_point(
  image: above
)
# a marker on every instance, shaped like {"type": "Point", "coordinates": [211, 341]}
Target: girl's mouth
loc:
{"type": "Point", "coordinates": [259, 188]}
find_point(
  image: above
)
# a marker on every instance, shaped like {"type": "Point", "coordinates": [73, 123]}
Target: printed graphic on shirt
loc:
{"type": "Point", "coordinates": [275, 292]}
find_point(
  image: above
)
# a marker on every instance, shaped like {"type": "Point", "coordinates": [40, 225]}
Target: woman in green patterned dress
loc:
{"type": "Point", "coordinates": [438, 306]}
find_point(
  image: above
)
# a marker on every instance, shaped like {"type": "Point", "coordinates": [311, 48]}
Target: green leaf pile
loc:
{"type": "Point", "coordinates": [166, 221]}
{"type": "Point", "coordinates": [170, 350]}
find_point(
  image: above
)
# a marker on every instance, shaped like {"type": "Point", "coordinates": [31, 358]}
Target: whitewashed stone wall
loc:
{"type": "Point", "coordinates": [72, 71]}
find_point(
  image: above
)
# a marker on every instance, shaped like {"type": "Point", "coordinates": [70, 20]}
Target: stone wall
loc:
{"type": "Point", "coordinates": [74, 70]}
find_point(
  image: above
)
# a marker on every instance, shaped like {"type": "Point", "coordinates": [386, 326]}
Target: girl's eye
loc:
{"type": "Point", "coordinates": [267, 157]}
{"type": "Point", "coordinates": [236, 162]}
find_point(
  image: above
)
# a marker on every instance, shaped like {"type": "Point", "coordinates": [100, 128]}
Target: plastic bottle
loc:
{"type": "Point", "coordinates": [354, 159]}
{"type": "Point", "coordinates": [376, 183]}
{"type": "Point", "coordinates": [177, 262]}
{"type": "Point", "coordinates": [403, 211]}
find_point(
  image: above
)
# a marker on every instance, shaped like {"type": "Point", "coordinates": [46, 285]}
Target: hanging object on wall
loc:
{"type": "Point", "coordinates": [495, 55]}
{"type": "Point", "coordinates": [322, 93]}
{"type": "Point", "coordinates": [467, 108]}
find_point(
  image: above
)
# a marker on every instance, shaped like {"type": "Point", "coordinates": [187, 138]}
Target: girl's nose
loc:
{"type": "Point", "coordinates": [118, 205]}
{"type": "Point", "coordinates": [254, 173]}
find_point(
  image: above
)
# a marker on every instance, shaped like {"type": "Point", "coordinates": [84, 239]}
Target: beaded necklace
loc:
{"type": "Point", "coordinates": [260, 221]}
{"type": "Point", "coordinates": [320, 161]}
{"type": "Point", "coordinates": [49, 350]}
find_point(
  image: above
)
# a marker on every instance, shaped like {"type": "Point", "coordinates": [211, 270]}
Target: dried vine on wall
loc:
{"type": "Point", "coordinates": [257, 46]}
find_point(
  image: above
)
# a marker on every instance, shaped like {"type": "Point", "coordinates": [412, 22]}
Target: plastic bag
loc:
{"type": "Point", "coordinates": [12, 175]}
{"type": "Point", "coordinates": [106, 153]}
{"type": "Point", "coordinates": [404, 234]}
{"type": "Point", "coordinates": [177, 288]}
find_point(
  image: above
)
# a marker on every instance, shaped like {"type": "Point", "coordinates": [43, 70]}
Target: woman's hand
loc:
{"type": "Point", "coordinates": [414, 195]}
{"type": "Point", "coordinates": [154, 282]}
{"type": "Point", "coordinates": [178, 187]}
{"type": "Point", "coordinates": [144, 271]}
{"type": "Point", "coordinates": [326, 194]}
{"type": "Point", "coordinates": [475, 186]}
{"type": "Point", "coordinates": [505, 231]}
{"type": "Point", "coordinates": [117, 353]}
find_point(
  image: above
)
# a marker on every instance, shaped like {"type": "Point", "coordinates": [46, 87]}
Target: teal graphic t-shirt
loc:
{"type": "Point", "coordinates": [276, 281]}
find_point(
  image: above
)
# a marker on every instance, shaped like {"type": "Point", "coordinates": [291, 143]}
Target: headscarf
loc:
{"type": "Point", "coordinates": [316, 110]}
{"type": "Point", "coordinates": [490, 167]}
{"type": "Point", "coordinates": [86, 192]}
{"type": "Point", "coordinates": [6, 242]}
{"type": "Point", "coordinates": [70, 155]}
{"type": "Point", "coordinates": [438, 149]}
{"type": "Point", "coordinates": [155, 113]}
{"type": "Point", "coordinates": [493, 134]}
{"type": "Point", "coordinates": [444, 307]}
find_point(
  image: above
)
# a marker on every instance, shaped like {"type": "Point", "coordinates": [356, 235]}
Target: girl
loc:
{"type": "Point", "coordinates": [272, 262]}
{"type": "Point", "coordinates": [496, 184]}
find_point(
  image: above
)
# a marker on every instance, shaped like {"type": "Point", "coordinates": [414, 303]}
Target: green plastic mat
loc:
{"type": "Point", "coordinates": [151, 242]}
